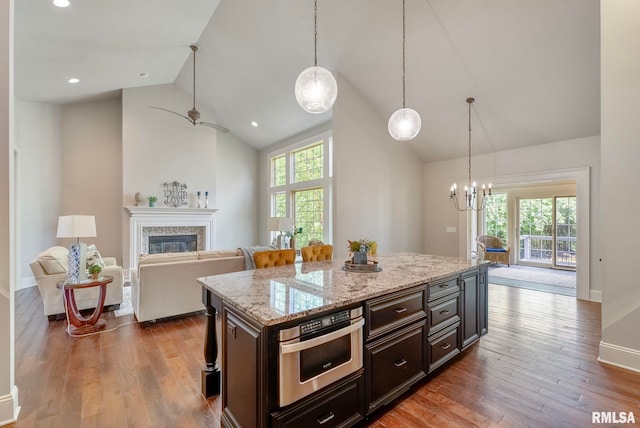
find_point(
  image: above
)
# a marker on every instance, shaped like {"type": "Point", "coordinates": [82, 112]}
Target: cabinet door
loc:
{"type": "Point", "coordinates": [470, 301]}
{"type": "Point", "coordinates": [241, 353]}
{"type": "Point", "coordinates": [483, 302]}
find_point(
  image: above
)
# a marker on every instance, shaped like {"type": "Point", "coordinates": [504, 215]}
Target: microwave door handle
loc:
{"type": "Point", "coordinates": [321, 340]}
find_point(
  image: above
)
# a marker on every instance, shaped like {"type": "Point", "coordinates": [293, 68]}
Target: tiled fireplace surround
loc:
{"type": "Point", "coordinates": [167, 221]}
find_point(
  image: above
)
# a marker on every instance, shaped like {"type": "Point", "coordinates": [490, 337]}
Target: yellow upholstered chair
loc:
{"type": "Point", "coordinates": [273, 258]}
{"type": "Point", "coordinates": [317, 253]}
{"type": "Point", "coordinates": [493, 249]}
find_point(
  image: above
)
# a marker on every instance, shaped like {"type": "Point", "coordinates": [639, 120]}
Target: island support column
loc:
{"type": "Point", "coordinates": [211, 372]}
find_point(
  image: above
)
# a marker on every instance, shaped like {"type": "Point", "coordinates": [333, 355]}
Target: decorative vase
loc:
{"type": "Point", "coordinates": [95, 275]}
{"type": "Point", "coordinates": [360, 258]}
{"type": "Point", "coordinates": [206, 199]}
{"type": "Point", "coordinates": [199, 200]}
{"type": "Point", "coordinates": [152, 203]}
{"type": "Point", "coordinates": [292, 243]}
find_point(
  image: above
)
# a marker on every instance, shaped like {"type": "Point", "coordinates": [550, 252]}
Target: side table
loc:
{"type": "Point", "coordinates": [78, 324]}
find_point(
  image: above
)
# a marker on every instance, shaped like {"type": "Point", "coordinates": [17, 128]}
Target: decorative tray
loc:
{"type": "Point", "coordinates": [371, 266]}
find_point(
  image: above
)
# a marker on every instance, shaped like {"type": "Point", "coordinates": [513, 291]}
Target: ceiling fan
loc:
{"type": "Point", "coordinates": [193, 115]}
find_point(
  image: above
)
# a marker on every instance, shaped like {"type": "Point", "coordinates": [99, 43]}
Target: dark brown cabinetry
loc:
{"type": "Point", "coordinates": [475, 306]}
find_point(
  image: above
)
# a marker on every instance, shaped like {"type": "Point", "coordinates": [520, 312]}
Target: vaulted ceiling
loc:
{"type": "Point", "coordinates": [532, 65]}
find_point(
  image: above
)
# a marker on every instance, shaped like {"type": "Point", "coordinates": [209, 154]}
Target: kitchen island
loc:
{"type": "Point", "coordinates": [419, 311]}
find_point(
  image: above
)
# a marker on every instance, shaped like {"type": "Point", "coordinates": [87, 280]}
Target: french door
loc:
{"type": "Point", "coordinates": [547, 231]}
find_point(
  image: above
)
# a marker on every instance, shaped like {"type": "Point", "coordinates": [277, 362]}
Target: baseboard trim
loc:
{"type": "Point", "coordinates": [26, 283]}
{"type": "Point", "coordinates": [595, 296]}
{"type": "Point", "coordinates": [619, 356]}
{"type": "Point", "coordinates": [9, 408]}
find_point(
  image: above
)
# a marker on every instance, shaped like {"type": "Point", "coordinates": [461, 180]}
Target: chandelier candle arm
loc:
{"type": "Point", "coordinates": [470, 189]}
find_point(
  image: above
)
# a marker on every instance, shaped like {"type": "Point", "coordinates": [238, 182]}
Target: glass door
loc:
{"type": "Point", "coordinates": [547, 231]}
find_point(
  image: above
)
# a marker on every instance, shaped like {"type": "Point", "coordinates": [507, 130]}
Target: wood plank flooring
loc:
{"type": "Point", "coordinates": [537, 367]}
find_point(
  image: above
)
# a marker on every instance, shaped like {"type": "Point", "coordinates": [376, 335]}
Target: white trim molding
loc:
{"type": "Point", "coordinates": [619, 356]}
{"type": "Point", "coordinates": [9, 408]}
{"type": "Point", "coordinates": [144, 217]}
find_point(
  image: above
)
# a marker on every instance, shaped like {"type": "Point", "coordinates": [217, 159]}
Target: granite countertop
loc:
{"type": "Point", "coordinates": [275, 295]}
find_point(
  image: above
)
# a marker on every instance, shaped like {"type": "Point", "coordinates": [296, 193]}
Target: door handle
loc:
{"type": "Point", "coordinates": [445, 346]}
{"type": "Point", "coordinates": [400, 310]}
{"type": "Point", "coordinates": [445, 312]}
{"type": "Point", "coordinates": [321, 340]}
{"type": "Point", "coordinates": [444, 286]}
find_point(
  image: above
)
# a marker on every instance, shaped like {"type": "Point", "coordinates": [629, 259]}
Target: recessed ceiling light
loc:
{"type": "Point", "coordinates": [255, 124]}
{"type": "Point", "coordinates": [61, 3]}
{"type": "Point", "coordinates": [74, 80]}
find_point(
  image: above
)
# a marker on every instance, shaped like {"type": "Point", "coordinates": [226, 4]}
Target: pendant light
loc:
{"type": "Point", "coordinates": [316, 88]}
{"type": "Point", "coordinates": [470, 189]}
{"type": "Point", "coordinates": [405, 123]}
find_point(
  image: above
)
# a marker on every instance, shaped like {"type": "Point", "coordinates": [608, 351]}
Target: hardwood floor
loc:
{"type": "Point", "coordinates": [536, 367]}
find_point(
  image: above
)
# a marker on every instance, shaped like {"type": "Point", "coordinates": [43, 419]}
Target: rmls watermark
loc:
{"type": "Point", "coordinates": [613, 418]}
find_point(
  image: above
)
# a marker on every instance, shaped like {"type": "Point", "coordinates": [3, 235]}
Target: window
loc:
{"type": "Point", "coordinates": [300, 187]}
{"type": "Point", "coordinates": [496, 216]}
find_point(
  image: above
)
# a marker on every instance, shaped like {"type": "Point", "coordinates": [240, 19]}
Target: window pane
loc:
{"type": "Point", "coordinates": [278, 171]}
{"type": "Point", "coordinates": [307, 163]}
{"type": "Point", "coordinates": [496, 216]}
{"type": "Point", "coordinates": [308, 205]}
{"type": "Point", "coordinates": [279, 205]}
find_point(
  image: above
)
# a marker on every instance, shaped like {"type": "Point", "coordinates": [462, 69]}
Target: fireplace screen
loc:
{"type": "Point", "coordinates": [173, 243]}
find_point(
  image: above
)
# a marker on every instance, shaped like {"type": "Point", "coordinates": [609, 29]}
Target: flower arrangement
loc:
{"type": "Point", "coordinates": [363, 246]}
{"type": "Point", "coordinates": [95, 270]}
{"type": "Point", "coordinates": [295, 232]}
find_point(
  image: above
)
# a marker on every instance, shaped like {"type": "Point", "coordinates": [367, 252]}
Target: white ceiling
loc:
{"type": "Point", "coordinates": [532, 65]}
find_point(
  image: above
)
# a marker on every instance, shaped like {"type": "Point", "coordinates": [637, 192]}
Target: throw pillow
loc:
{"type": "Point", "coordinates": [54, 260]}
{"type": "Point", "coordinates": [94, 257]}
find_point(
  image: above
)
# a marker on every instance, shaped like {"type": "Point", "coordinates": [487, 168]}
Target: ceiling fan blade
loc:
{"type": "Point", "coordinates": [178, 114]}
{"type": "Point", "coordinates": [213, 125]}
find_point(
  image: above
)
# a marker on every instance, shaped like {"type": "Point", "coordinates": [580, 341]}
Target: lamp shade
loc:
{"type": "Point", "coordinates": [76, 226]}
{"type": "Point", "coordinates": [278, 224]}
{"type": "Point", "coordinates": [316, 90]}
{"type": "Point", "coordinates": [404, 124]}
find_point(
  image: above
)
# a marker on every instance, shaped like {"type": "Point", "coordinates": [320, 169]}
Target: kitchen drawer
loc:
{"type": "Point", "coordinates": [390, 312]}
{"type": "Point", "coordinates": [443, 346]}
{"type": "Point", "coordinates": [394, 363]}
{"type": "Point", "coordinates": [441, 288]}
{"type": "Point", "coordinates": [443, 313]}
{"type": "Point", "coordinates": [338, 405]}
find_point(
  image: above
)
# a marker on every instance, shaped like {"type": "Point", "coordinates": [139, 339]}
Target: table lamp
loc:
{"type": "Point", "coordinates": [77, 226]}
{"type": "Point", "coordinates": [280, 224]}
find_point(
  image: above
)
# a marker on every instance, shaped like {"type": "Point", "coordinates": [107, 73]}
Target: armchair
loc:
{"type": "Point", "coordinates": [493, 249]}
{"type": "Point", "coordinates": [50, 267]}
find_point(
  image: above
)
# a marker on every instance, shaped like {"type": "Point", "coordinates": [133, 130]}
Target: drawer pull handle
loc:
{"type": "Point", "coordinates": [400, 310]}
{"type": "Point", "coordinates": [400, 363]}
{"type": "Point", "coordinates": [445, 346]}
{"type": "Point", "coordinates": [445, 312]}
{"type": "Point", "coordinates": [444, 286]}
{"type": "Point", "coordinates": [326, 418]}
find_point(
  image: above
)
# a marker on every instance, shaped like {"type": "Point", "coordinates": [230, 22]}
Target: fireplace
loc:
{"type": "Point", "coordinates": [167, 223]}
{"type": "Point", "coordinates": [172, 243]}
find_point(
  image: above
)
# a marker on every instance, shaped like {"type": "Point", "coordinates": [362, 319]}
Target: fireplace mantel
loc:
{"type": "Point", "coordinates": [147, 217]}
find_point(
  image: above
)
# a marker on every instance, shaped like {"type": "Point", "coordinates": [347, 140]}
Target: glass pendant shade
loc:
{"type": "Point", "coordinates": [316, 90]}
{"type": "Point", "coordinates": [404, 124]}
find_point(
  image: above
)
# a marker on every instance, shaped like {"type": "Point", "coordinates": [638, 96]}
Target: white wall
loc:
{"type": "Point", "coordinates": [38, 137]}
{"type": "Point", "coordinates": [92, 170]}
{"type": "Point", "coordinates": [507, 166]}
{"type": "Point", "coordinates": [620, 148]}
{"type": "Point", "coordinates": [237, 197]}
{"type": "Point", "coordinates": [378, 183]}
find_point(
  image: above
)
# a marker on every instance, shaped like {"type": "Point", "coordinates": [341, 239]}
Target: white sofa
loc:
{"type": "Point", "coordinates": [50, 267]}
{"type": "Point", "coordinates": [166, 285]}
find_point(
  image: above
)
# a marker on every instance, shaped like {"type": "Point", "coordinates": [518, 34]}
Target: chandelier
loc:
{"type": "Point", "coordinates": [470, 190]}
{"type": "Point", "coordinates": [404, 123]}
{"type": "Point", "coordinates": [316, 89]}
